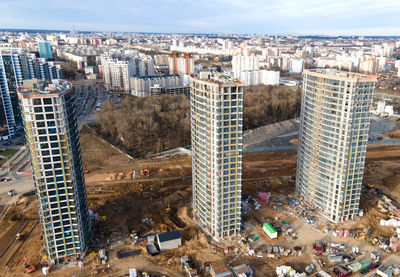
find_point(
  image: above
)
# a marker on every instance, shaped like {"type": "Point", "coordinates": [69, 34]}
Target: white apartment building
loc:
{"type": "Point", "coordinates": [334, 127]}
{"type": "Point", "coordinates": [296, 66]}
{"type": "Point", "coordinates": [217, 142]}
{"type": "Point", "coordinates": [260, 77]}
{"type": "Point", "coordinates": [117, 71]}
{"type": "Point", "coordinates": [384, 50]}
{"type": "Point", "coordinates": [116, 74]}
{"type": "Point", "coordinates": [242, 63]}
{"type": "Point", "coordinates": [143, 66]}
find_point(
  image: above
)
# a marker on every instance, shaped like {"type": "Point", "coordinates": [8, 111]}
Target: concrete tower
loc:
{"type": "Point", "coordinates": [217, 120]}
{"type": "Point", "coordinates": [50, 123]}
{"type": "Point", "coordinates": [335, 119]}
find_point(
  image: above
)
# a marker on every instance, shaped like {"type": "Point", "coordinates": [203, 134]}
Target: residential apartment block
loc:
{"type": "Point", "coordinates": [117, 71]}
{"type": "Point", "coordinates": [217, 142]}
{"type": "Point", "coordinates": [244, 62]}
{"type": "Point", "coordinates": [7, 122]}
{"type": "Point", "coordinates": [181, 64]}
{"type": "Point", "coordinates": [50, 123]}
{"type": "Point", "coordinates": [45, 49]}
{"type": "Point", "coordinates": [16, 66]}
{"type": "Point", "coordinates": [166, 84]}
{"type": "Point", "coordinates": [335, 120]}
{"type": "Point", "coordinates": [258, 77]}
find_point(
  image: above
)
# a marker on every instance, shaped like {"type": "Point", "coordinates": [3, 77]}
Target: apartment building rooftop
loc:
{"type": "Point", "coordinates": [33, 87]}
{"type": "Point", "coordinates": [157, 76]}
{"type": "Point", "coordinates": [341, 75]}
{"type": "Point", "coordinates": [217, 78]}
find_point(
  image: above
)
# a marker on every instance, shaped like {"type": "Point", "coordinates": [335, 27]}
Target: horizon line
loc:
{"type": "Point", "coordinates": [16, 30]}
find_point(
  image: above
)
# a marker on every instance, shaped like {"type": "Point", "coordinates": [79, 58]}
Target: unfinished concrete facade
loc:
{"type": "Point", "coordinates": [216, 129]}
{"type": "Point", "coordinates": [333, 138]}
{"type": "Point", "coordinates": [52, 136]}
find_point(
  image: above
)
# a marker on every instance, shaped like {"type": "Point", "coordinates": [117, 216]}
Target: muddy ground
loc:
{"type": "Point", "coordinates": [124, 203]}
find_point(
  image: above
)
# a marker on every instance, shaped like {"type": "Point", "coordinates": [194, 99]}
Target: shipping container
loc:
{"type": "Point", "coordinates": [270, 230]}
{"type": "Point", "coordinates": [365, 263]}
{"type": "Point", "coordinates": [356, 266]}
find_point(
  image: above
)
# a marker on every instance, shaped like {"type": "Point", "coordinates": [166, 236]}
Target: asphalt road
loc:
{"type": "Point", "coordinates": [21, 183]}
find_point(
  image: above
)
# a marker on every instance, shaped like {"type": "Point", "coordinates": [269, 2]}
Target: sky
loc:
{"type": "Point", "coordinates": [314, 17]}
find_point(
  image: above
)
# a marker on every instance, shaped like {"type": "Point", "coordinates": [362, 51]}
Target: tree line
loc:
{"type": "Point", "coordinates": [270, 104]}
{"type": "Point", "coordinates": [145, 125]}
{"type": "Point", "coordinates": [154, 124]}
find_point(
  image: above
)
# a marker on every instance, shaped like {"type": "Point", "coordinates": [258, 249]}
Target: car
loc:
{"type": "Point", "coordinates": [373, 266]}
{"type": "Point", "coordinates": [364, 271]}
{"type": "Point", "coordinates": [11, 192]}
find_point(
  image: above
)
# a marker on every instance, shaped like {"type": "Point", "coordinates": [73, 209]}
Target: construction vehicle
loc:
{"type": "Point", "coordinates": [146, 172]}
{"type": "Point", "coordinates": [29, 268]}
{"type": "Point", "coordinates": [18, 237]}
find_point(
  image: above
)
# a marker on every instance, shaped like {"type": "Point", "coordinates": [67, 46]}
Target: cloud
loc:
{"type": "Point", "coordinates": [227, 16]}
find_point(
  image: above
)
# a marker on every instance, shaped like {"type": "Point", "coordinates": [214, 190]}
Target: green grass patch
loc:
{"type": "Point", "coordinates": [9, 153]}
{"type": "Point", "coordinates": [2, 162]}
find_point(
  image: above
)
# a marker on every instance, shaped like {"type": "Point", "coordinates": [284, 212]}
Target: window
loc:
{"type": "Point", "coordinates": [37, 102]}
{"type": "Point", "coordinates": [47, 101]}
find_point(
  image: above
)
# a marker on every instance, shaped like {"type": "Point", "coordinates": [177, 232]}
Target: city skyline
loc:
{"type": "Point", "coordinates": [238, 16]}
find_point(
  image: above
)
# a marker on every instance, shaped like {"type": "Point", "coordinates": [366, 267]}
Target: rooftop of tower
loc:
{"type": "Point", "coordinates": [33, 87]}
{"type": "Point", "coordinates": [217, 78]}
{"type": "Point", "coordinates": [341, 75]}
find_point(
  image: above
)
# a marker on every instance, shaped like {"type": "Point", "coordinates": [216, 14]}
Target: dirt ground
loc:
{"type": "Point", "coordinates": [125, 204]}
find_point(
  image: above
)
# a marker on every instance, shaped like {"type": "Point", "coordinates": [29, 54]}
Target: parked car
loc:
{"type": "Point", "coordinates": [373, 266]}
{"type": "Point", "coordinates": [11, 192]}
{"type": "Point", "coordinates": [364, 271]}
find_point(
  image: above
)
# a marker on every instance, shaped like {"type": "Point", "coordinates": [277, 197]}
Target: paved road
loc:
{"type": "Point", "coordinates": [385, 95]}
{"type": "Point", "coordinates": [22, 183]}
{"type": "Point", "coordinates": [291, 147]}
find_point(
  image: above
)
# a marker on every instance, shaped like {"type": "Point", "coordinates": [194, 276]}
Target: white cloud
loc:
{"type": "Point", "coordinates": [242, 16]}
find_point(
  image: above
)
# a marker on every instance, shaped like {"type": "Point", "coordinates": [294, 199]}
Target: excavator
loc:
{"type": "Point", "coordinates": [146, 172]}
{"type": "Point", "coordinates": [29, 268]}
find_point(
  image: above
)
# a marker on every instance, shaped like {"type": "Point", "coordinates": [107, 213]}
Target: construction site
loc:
{"type": "Point", "coordinates": [132, 199]}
